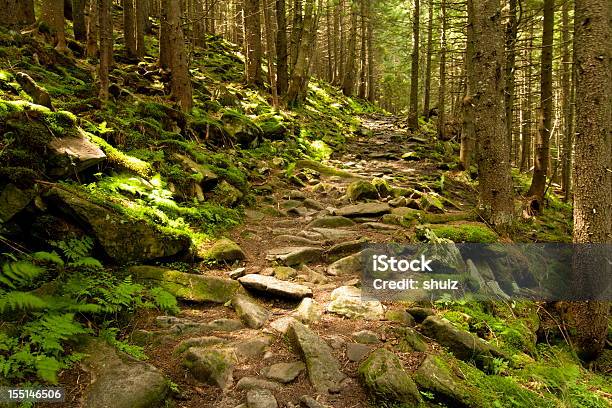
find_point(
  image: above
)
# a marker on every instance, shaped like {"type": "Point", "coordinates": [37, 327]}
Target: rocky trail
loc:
{"type": "Point", "coordinates": [286, 326]}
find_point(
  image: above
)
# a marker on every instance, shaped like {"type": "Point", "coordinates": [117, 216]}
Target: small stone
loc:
{"type": "Point", "coordinates": [275, 286]}
{"type": "Point", "coordinates": [223, 250]}
{"type": "Point", "coordinates": [347, 301]}
{"type": "Point", "coordinates": [349, 265]}
{"type": "Point", "coordinates": [258, 398]}
{"type": "Point", "coordinates": [227, 325]}
{"type": "Point", "coordinates": [333, 234]}
{"type": "Point", "coordinates": [252, 314]}
{"type": "Point", "coordinates": [398, 202]}
{"type": "Point", "coordinates": [420, 313]}
{"type": "Point", "coordinates": [356, 352]}
{"type": "Point", "coordinates": [291, 256]}
{"type": "Point", "coordinates": [331, 222]}
{"type": "Point", "coordinates": [315, 205]}
{"type": "Point", "coordinates": [249, 383]}
{"type": "Point", "coordinates": [284, 372]}
{"type": "Point", "coordinates": [282, 324]}
{"type": "Point", "coordinates": [365, 209]}
{"type": "Point", "coordinates": [400, 316]}
{"type": "Point", "coordinates": [366, 337]}
{"type": "Point", "coordinates": [210, 366]}
{"type": "Point", "coordinates": [308, 311]}
{"type": "Point", "coordinates": [361, 189]}
{"type": "Point", "coordinates": [254, 347]}
{"type": "Point", "coordinates": [285, 272]}
{"type": "Point", "coordinates": [237, 273]}
{"type": "Point", "coordinates": [308, 402]}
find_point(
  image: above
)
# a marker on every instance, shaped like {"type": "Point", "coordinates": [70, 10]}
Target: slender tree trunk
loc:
{"type": "Point", "coordinates": [495, 181]}
{"type": "Point", "coordinates": [106, 45]}
{"type": "Point", "coordinates": [330, 48]}
{"type": "Point", "coordinates": [296, 32]}
{"type": "Point", "coordinates": [566, 69]}
{"type": "Point", "coordinates": [467, 129]}
{"type": "Point", "coordinates": [53, 15]}
{"type": "Point", "coordinates": [164, 36]}
{"type": "Point", "coordinates": [180, 80]}
{"type": "Point", "coordinates": [78, 20]}
{"type": "Point", "coordinates": [427, 85]}
{"type": "Point", "coordinates": [337, 45]}
{"type": "Point", "coordinates": [511, 35]}
{"type": "Point", "coordinates": [21, 13]}
{"type": "Point", "coordinates": [300, 75]}
{"type": "Point", "coordinates": [348, 82]}
{"type": "Point", "coordinates": [129, 28]}
{"type": "Point", "coordinates": [142, 17]}
{"type": "Point", "coordinates": [252, 20]}
{"type": "Point", "coordinates": [413, 117]}
{"type": "Point", "coordinates": [526, 127]}
{"type": "Point", "coordinates": [542, 153]}
{"type": "Point", "coordinates": [281, 47]}
{"type": "Point", "coordinates": [363, 59]}
{"type": "Point", "coordinates": [270, 48]}
{"type": "Point", "coordinates": [592, 176]}
{"type": "Point", "coordinates": [371, 87]}
{"type": "Point", "coordinates": [442, 89]}
{"type": "Point", "coordinates": [92, 19]}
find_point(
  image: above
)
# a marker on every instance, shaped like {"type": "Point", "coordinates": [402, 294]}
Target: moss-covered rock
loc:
{"type": "Point", "coordinates": [187, 286]}
{"type": "Point", "coordinates": [383, 375]}
{"type": "Point", "coordinates": [435, 376]}
{"type": "Point", "coordinates": [223, 250]}
{"type": "Point", "coordinates": [13, 200]}
{"type": "Point", "coordinates": [382, 186]}
{"type": "Point", "coordinates": [226, 194]}
{"type": "Point", "coordinates": [431, 203]}
{"type": "Point", "coordinates": [464, 232]}
{"type": "Point", "coordinates": [211, 366]}
{"type": "Point", "coordinates": [361, 189]}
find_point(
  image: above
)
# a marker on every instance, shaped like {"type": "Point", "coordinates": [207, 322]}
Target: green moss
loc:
{"type": "Point", "coordinates": [122, 160]}
{"type": "Point", "coordinates": [464, 232]}
{"type": "Point", "coordinates": [428, 218]}
{"type": "Point", "coordinates": [323, 169]}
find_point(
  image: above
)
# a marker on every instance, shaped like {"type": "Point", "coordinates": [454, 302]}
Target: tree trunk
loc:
{"type": "Point", "coordinates": [164, 36]}
{"type": "Point", "coordinates": [511, 34]}
{"type": "Point", "coordinates": [338, 44]}
{"type": "Point", "coordinates": [296, 33]}
{"type": "Point", "coordinates": [413, 116]}
{"type": "Point", "coordinates": [129, 28]}
{"type": "Point", "coordinates": [348, 82]}
{"type": "Point", "coordinates": [78, 20]}
{"type": "Point", "coordinates": [93, 29]}
{"type": "Point", "coordinates": [467, 128]}
{"type": "Point", "coordinates": [179, 80]}
{"type": "Point", "coordinates": [427, 85]}
{"type": "Point", "coordinates": [542, 154]}
{"type": "Point", "coordinates": [252, 21]}
{"type": "Point", "coordinates": [281, 48]}
{"type": "Point", "coordinates": [442, 89]}
{"type": "Point", "coordinates": [142, 17]}
{"type": "Point", "coordinates": [270, 48]}
{"type": "Point", "coordinates": [566, 69]}
{"type": "Point", "coordinates": [296, 94]}
{"type": "Point", "coordinates": [21, 13]}
{"type": "Point", "coordinates": [53, 15]}
{"type": "Point", "coordinates": [363, 59]}
{"type": "Point", "coordinates": [495, 181]}
{"type": "Point", "coordinates": [106, 45]}
{"type": "Point", "coordinates": [526, 126]}
{"type": "Point", "coordinates": [592, 163]}
{"type": "Point", "coordinates": [371, 87]}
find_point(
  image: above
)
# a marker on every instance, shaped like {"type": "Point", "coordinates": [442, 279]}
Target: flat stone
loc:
{"type": "Point", "coordinates": [297, 240]}
{"type": "Point", "coordinates": [259, 398]}
{"type": "Point", "coordinates": [400, 316]}
{"type": "Point", "coordinates": [383, 375]}
{"type": "Point", "coordinates": [119, 381]}
{"type": "Point", "coordinates": [226, 325]}
{"type": "Point", "coordinates": [309, 402]}
{"type": "Point", "coordinates": [284, 372]}
{"type": "Point", "coordinates": [250, 312]}
{"type": "Point", "coordinates": [254, 347]}
{"type": "Point", "coordinates": [74, 153]}
{"type": "Point", "coordinates": [249, 383]}
{"type": "Point", "coordinates": [359, 210]}
{"type": "Point", "coordinates": [315, 205]}
{"type": "Point", "coordinates": [347, 301]}
{"type": "Point", "coordinates": [366, 337]}
{"type": "Point", "coordinates": [333, 234]}
{"type": "Point", "coordinates": [237, 273]}
{"type": "Point", "coordinates": [187, 286]}
{"type": "Point", "coordinates": [349, 265]}
{"type": "Point", "coordinates": [356, 352]}
{"type": "Point", "coordinates": [276, 287]}
{"type": "Point", "coordinates": [284, 272]}
{"type": "Point", "coordinates": [291, 256]}
{"type": "Point", "coordinates": [204, 341]}
{"type": "Point", "coordinates": [308, 311]}
{"type": "Point", "coordinates": [323, 369]}
{"type": "Point", "coordinates": [379, 226]}
{"type": "Point", "coordinates": [347, 247]}
{"type": "Point", "coordinates": [282, 324]}
{"type": "Point", "coordinates": [331, 221]}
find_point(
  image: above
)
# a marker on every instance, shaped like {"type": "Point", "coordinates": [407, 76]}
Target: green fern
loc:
{"type": "Point", "coordinates": [50, 257]}
{"type": "Point", "coordinates": [86, 262]}
{"type": "Point", "coordinates": [20, 274]}
{"type": "Point", "coordinates": [15, 301]}
{"type": "Point", "coordinates": [164, 300]}
{"type": "Point", "coordinates": [48, 333]}
{"type": "Point", "coordinates": [75, 248]}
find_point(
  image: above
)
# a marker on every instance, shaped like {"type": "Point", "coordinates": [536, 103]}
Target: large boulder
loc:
{"type": "Point", "coordinates": [188, 286]}
{"type": "Point", "coordinates": [323, 369]}
{"type": "Point", "coordinates": [251, 313]}
{"type": "Point", "coordinates": [464, 345]}
{"type": "Point", "coordinates": [119, 381]}
{"type": "Point", "coordinates": [223, 250]}
{"type": "Point", "coordinates": [383, 375]}
{"type": "Point", "coordinates": [73, 154]}
{"type": "Point", "coordinates": [211, 366]}
{"type": "Point", "coordinates": [123, 239]}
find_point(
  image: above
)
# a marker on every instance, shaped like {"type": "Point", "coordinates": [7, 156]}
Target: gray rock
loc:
{"type": "Point", "coordinates": [323, 369]}
{"type": "Point", "coordinates": [366, 337]}
{"type": "Point", "coordinates": [333, 234]}
{"type": "Point", "coordinates": [379, 226]}
{"type": "Point", "coordinates": [347, 247]}
{"type": "Point", "coordinates": [258, 398]}
{"type": "Point", "coordinates": [295, 239]}
{"type": "Point", "coordinates": [349, 265]}
{"type": "Point", "coordinates": [400, 316]}
{"type": "Point", "coordinates": [73, 153]}
{"type": "Point", "coordinates": [356, 352]}
{"type": "Point", "coordinates": [361, 189]}
{"type": "Point", "coordinates": [484, 277]}
{"type": "Point", "coordinates": [284, 372]}
{"type": "Point", "coordinates": [308, 402]}
{"type": "Point", "coordinates": [364, 209]}
{"type": "Point", "coordinates": [282, 324]}
{"type": "Point", "coordinates": [249, 383]}
{"type": "Point", "coordinates": [124, 240]}
{"type": "Point", "coordinates": [254, 347]}
{"type": "Point", "coordinates": [275, 286]}
{"type": "Point", "coordinates": [204, 341]}
{"type": "Point", "coordinates": [223, 250]}
{"type": "Point", "coordinates": [331, 221]}
{"type": "Point", "coordinates": [347, 301]}
{"type": "Point", "coordinates": [462, 344]}
{"type": "Point", "coordinates": [420, 313]}
{"type": "Point", "coordinates": [211, 366]}
{"type": "Point", "coordinates": [411, 340]}
{"type": "Point", "coordinates": [315, 205]}
{"type": "Point", "coordinates": [435, 376]}
{"type": "Point", "coordinates": [13, 200]}
{"type": "Point", "coordinates": [226, 325]}
{"type": "Point", "coordinates": [383, 375]}
{"type": "Point", "coordinates": [118, 381]}
{"type": "Point", "coordinates": [237, 273]}
{"type": "Point", "coordinates": [252, 314]}
{"type": "Point", "coordinates": [291, 256]}
{"type": "Point", "coordinates": [308, 311]}
{"type": "Point", "coordinates": [187, 286]}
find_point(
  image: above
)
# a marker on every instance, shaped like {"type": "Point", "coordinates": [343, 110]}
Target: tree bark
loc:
{"type": "Point", "coordinates": [467, 128]}
{"type": "Point", "coordinates": [442, 88]}
{"type": "Point", "coordinates": [164, 36]}
{"type": "Point", "coordinates": [53, 15]}
{"type": "Point", "coordinates": [93, 29]}
{"type": "Point", "coordinates": [495, 181]}
{"type": "Point", "coordinates": [371, 87]}
{"type": "Point", "coordinates": [106, 45]}
{"type": "Point", "coordinates": [252, 21]}
{"type": "Point", "coordinates": [21, 13]}
{"type": "Point", "coordinates": [542, 151]}
{"type": "Point", "coordinates": [129, 28]}
{"type": "Point", "coordinates": [179, 80]}
{"type": "Point", "coordinates": [427, 85]}
{"type": "Point", "coordinates": [296, 94]}
{"type": "Point", "coordinates": [348, 82]}
{"type": "Point", "coordinates": [592, 177]}
{"type": "Point", "coordinates": [142, 18]}
{"type": "Point", "coordinates": [566, 107]}
{"type": "Point", "coordinates": [270, 50]}
{"type": "Point", "coordinates": [281, 48]}
{"type": "Point", "coordinates": [413, 116]}
{"type": "Point", "coordinates": [526, 126]}
{"type": "Point", "coordinates": [78, 20]}
{"type": "Point", "coordinates": [363, 59]}
{"type": "Point", "coordinates": [511, 35]}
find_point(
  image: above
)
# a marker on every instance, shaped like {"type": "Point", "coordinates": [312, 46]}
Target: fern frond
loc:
{"type": "Point", "coordinates": [51, 257]}
{"type": "Point", "coordinates": [20, 273]}
{"type": "Point", "coordinates": [15, 301]}
{"type": "Point", "coordinates": [164, 300]}
{"type": "Point", "coordinates": [87, 262]}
